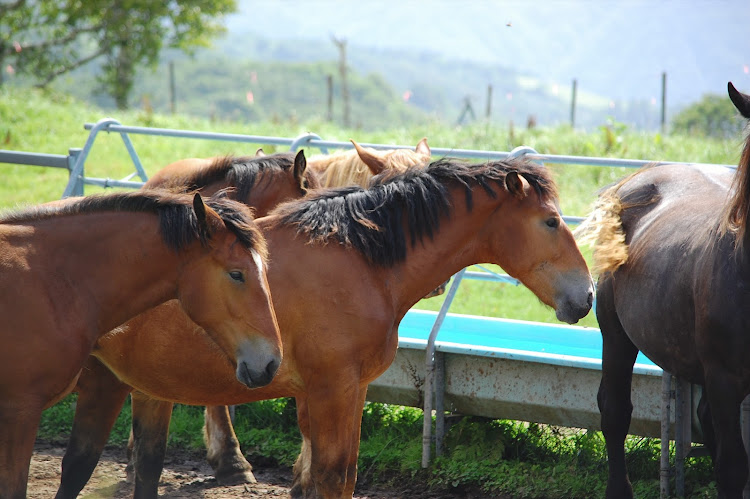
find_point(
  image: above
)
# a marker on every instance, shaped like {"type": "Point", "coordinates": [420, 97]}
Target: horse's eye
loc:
{"type": "Point", "coordinates": [553, 222]}
{"type": "Point", "coordinates": [237, 276]}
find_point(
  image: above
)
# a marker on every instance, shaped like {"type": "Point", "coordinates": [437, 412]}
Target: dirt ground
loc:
{"type": "Point", "coordinates": [187, 475]}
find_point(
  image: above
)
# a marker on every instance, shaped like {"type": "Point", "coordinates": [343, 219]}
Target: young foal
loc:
{"type": "Point", "coordinates": [375, 252]}
{"type": "Point", "coordinates": [75, 269]}
{"type": "Point", "coordinates": [673, 248]}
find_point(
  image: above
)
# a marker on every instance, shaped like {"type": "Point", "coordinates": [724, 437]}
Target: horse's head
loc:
{"type": "Point", "coordinates": [393, 161]}
{"type": "Point", "coordinates": [538, 248]}
{"type": "Point", "coordinates": [737, 211]}
{"type": "Point", "coordinates": [261, 182]}
{"type": "Point", "coordinates": [224, 289]}
{"type": "Point", "coordinates": [358, 166]}
{"type": "Point", "coordinates": [741, 101]}
{"type": "Point", "coordinates": [277, 185]}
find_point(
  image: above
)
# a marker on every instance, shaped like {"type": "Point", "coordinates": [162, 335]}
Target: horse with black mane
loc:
{"type": "Point", "coordinates": [74, 269]}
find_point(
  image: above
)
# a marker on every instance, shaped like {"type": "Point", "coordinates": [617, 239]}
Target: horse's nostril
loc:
{"type": "Point", "coordinates": [590, 299]}
{"type": "Point", "coordinates": [272, 367]}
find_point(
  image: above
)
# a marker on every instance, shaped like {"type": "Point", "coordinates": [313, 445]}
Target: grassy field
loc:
{"type": "Point", "coordinates": [503, 456]}
{"type": "Point", "coordinates": [53, 123]}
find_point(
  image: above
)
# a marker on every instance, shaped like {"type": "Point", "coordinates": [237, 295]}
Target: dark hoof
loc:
{"type": "Point", "coordinates": [236, 478]}
{"type": "Point", "coordinates": [130, 473]}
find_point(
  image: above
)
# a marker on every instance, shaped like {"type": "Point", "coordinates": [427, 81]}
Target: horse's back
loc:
{"type": "Point", "coordinates": [670, 216]}
{"type": "Point", "coordinates": [178, 169]}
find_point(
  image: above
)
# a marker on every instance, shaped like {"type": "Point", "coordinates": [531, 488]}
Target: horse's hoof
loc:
{"type": "Point", "coordinates": [296, 492]}
{"type": "Point", "coordinates": [236, 478]}
{"type": "Point", "coordinates": [129, 473]}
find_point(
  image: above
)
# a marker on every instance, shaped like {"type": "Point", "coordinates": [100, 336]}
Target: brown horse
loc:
{"type": "Point", "coordinates": [673, 251]}
{"type": "Point", "coordinates": [357, 166]}
{"type": "Point", "coordinates": [354, 167]}
{"type": "Point", "coordinates": [77, 268]}
{"type": "Point", "coordinates": [375, 252]}
{"type": "Point", "coordinates": [261, 182]}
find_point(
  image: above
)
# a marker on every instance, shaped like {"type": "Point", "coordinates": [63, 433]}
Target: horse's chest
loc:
{"type": "Point", "coordinates": [381, 355]}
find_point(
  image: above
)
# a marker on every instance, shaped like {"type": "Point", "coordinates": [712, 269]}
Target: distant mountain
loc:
{"type": "Point", "coordinates": [616, 50]}
{"type": "Point", "coordinates": [412, 61]}
{"type": "Point", "coordinates": [212, 85]}
{"type": "Point", "coordinates": [441, 86]}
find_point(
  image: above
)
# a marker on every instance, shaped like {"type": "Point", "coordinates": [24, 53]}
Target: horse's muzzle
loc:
{"type": "Point", "coordinates": [257, 362]}
{"type": "Point", "coordinates": [571, 310]}
{"type": "Point", "coordinates": [255, 378]}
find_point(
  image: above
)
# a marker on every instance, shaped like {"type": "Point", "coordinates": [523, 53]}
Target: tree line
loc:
{"type": "Point", "coordinates": [44, 39]}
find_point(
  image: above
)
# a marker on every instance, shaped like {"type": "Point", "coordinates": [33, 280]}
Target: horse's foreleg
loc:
{"type": "Point", "coordinates": [707, 425]}
{"type": "Point", "coordinates": [150, 430]}
{"type": "Point", "coordinates": [302, 483]}
{"type": "Point", "coordinates": [223, 449]}
{"type": "Point", "coordinates": [18, 427]}
{"type": "Point", "coordinates": [335, 417]}
{"type": "Point", "coordinates": [615, 406]}
{"type": "Point", "coordinates": [351, 478]}
{"type": "Point", "coordinates": [100, 398]}
{"type": "Point", "coordinates": [724, 400]}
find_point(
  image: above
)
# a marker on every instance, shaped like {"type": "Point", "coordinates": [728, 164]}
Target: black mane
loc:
{"type": "Point", "coordinates": [372, 220]}
{"type": "Point", "coordinates": [177, 219]}
{"type": "Point", "coordinates": [241, 173]}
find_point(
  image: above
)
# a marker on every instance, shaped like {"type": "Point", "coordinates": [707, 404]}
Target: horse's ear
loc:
{"type": "Point", "coordinates": [516, 184]}
{"type": "Point", "coordinates": [741, 101]}
{"type": "Point", "coordinates": [300, 165]}
{"type": "Point", "coordinates": [259, 153]}
{"type": "Point", "coordinates": [372, 161]}
{"type": "Point", "coordinates": [200, 214]}
{"type": "Point", "coordinates": [423, 148]}
{"type": "Point", "coordinates": [203, 214]}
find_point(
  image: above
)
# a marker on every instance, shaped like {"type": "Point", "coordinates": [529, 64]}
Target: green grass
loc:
{"type": "Point", "coordinates": [522, 460]}
{"type": "Point", "coordinates": [36, 121]}
{"type": "Point", "coordinates": [525, 460]}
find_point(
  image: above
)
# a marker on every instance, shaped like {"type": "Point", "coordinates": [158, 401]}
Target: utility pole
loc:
{"type": "Point", "coordinates": [573, 104]}
{"type": "Point", "coordinates": [663, 102]}
{"type": "Point", "coordinates": [489, 102]}
{"type": "Point", "coordinates": [341, 44]}
{"type": "Point", "coordinates": [467, 110]}
{"type": "Point", "coordinates": [172, 91]}
{"type": "Point", "coordinates": [329, 112]}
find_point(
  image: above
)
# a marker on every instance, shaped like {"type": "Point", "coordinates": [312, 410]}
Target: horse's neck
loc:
{"type": "Point", "coordinates": [117, 265]}
{"type": "Point", "coordinates": [457, 244]}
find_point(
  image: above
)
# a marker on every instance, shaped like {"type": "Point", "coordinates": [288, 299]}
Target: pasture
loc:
{"type": "Point", "coordinates": [32, 121]}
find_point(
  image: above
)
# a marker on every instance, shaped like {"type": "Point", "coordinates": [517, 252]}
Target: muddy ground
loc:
{"type": "Point", "coordinates": [187, 475]}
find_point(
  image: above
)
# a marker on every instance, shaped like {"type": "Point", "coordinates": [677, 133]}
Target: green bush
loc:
{"type": "Point", "coordinates": [712, 116]}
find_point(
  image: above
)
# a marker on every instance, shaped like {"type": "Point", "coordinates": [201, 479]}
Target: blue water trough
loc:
{"type": "Point", "coordinates": [510, 369]}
